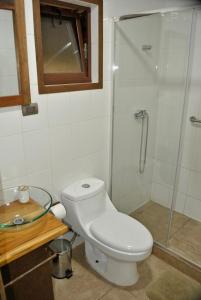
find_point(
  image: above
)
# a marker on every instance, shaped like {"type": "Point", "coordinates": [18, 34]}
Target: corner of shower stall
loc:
{"type": "Point", "coordinates": [154, 93]}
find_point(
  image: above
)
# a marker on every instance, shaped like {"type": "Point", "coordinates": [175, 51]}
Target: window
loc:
{"type": "Point", "coordinates": [63, 45]}
{"type": "Point", "coordinates": [14, 76]}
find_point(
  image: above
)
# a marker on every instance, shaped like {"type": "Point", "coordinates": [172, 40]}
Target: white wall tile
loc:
{"type": "Point", "coordinates": [12, 164]}
{"type": "Point", "coordinates": [183, 180]}
{"type": "Point", "coordinates": [67, 140]}
{"type": "Point", "coordinates": [193, 208]}
{"type": "Point", "coordinates": [61, 146]}
{"type": "Point", "coordinates": [32, 59]}
{"type": "Point", "coordinates": [92, 165]}
{"type": "Point", "coordinates": [100, 101]}
{"type": "Point", "coordinates": [42, 179]}
{"type": "Point", "coordinates": [29, 17]}
{"type": "Point", "coordinates": [88, 137]}
{"type": "Point", "coordinates": [194, 185]}
{"type": "Point", "coordinates": [10, 121]}
{"type": "Point", "coordinates": [118, 8]}
{"type": "Point", "coordinates": [107, 61]}
{"type": "Point", "coordinates": [94, 62]}
{"type": "Point", "coordinates": [59, 109]}
{"type": "Point", "coordinates": [161, 194]}
{"type": "Point", "coordinates": [164, 173]}
{"type": "Point", "coordinates": [40, 120]}
{"type": "Point", "coordinates": [80, 106]}
{"type": "Point", "coordinates": [180, 203]}
{"type": "Point", "coordinates": [37, 150]}
{"type": "Point", "coordinates": [108, 30]}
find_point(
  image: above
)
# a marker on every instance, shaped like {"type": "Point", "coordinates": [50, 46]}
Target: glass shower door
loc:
{"type": "Point", "coordinates": [151, 62]}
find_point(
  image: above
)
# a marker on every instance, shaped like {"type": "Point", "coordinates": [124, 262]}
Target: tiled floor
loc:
{"type": "Point", "coordinates": [185, 235]}
{"type": "Point", "coordinates": [87, 285]}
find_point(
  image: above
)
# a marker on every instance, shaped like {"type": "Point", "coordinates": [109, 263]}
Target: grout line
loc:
{"type": "Point", "coordinates": [178, 229]}
{"type": "Point", "coordinates": [109, 289]}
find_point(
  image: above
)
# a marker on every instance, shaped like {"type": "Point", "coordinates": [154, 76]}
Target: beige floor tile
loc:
{"type": "Point", "coordinates": [88, 285]}
{"type": "Point", "coordinates": [187, 241]}
{"type": "Point", "coordinates": [185, 233]}
{"type": "Point", "coordinates": [118, 294]}
{"type": "Point", "coordinates": [84, 285]}
{"type": "Point", "coordinates": [149, 270]}
{"type": "Point", "coordinates": [156, 218]}
{"type": "Point", "coordinates": [191, 231]}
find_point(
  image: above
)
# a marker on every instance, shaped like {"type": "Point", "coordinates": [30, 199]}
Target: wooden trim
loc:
{"type": "Point", "coordinates": [11, 100]}
{"type": "Point", "coordinates": [47, 89]}
{"type": "Point", "coordinates": [97, 2]}
{"type": "Point", "coordinates": [89, 46]}
{"type": "Point", "coordinates": [67, 15]}
{"type": "Point", "coordinates": [8, 6]}
{"type": "Point", "coordinates": [177, 262]}
{"type": "Point", "coordinates": [22, 60]}
{"type": "Point", "coordinates": [46, 83]}
{"type": "Point", "coordinates": [52, 79]}
{"type": "Point", "coordinates": [2, 288]}
{"type": "Point", "coordinates": [100, 37]}
{"type": "Point", "coordinates": [63, 4]}
{"type": "Point", "coordinates": [21, 45]}
{"type": "Point", "coordinates": [38, 42]}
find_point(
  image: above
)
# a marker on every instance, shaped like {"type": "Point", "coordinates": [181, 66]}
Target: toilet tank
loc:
{"type": "Point", "coordinates": [84, 201]}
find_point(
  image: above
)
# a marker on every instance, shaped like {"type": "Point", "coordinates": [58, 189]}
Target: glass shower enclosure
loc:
{"type": "Point", "coordinates": [152, 133]}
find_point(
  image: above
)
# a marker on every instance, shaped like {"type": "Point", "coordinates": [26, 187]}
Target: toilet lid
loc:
{"type": "Point", "coordinates": [121, 232]}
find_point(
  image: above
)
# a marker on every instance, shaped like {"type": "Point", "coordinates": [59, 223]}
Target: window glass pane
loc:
{"type": "Point", "coordinates": [60, 45]}
{"type": "Point", "coordinates": [8, 62]}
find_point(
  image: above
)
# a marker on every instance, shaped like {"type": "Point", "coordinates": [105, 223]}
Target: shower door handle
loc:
{"type": "Point", "coordinates": [194, 120]}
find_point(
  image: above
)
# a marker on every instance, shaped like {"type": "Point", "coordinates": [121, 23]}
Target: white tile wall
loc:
{"type": "Point", "coordinates": [171, 88]}
{"type": "Point", "coordinates": [188, 199]}
{"type": "Point", "coordinates": [135, 88]}
{"type": "Point", "coordinates": [126, 7]}
{"type": "Point", "coordinates": [66, 141]}
{"type": "Point", "coordinates": [138, 86]}
{"type": "Point", "coordinates": [191, 158]}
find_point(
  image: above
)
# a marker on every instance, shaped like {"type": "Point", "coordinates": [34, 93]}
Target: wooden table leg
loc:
{"type": "Point", "coordinates": [2, 289]}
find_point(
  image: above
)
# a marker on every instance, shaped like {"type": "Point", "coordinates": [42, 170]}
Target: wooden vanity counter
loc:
{"type": "Point", "coordinates": [16, 243]}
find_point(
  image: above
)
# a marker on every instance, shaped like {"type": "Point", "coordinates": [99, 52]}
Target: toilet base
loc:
{"type": "Point", "coordinates": [116, 271]}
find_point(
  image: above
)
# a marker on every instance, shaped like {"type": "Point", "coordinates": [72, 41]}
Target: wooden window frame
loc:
{"type": "Point", "coordinates": [24, 96]}
{"type": "Point", "coordinates": [53, 83]}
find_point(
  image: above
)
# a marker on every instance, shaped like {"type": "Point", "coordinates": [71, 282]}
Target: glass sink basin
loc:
{"type": "Point", "coordinates": [23, 205]}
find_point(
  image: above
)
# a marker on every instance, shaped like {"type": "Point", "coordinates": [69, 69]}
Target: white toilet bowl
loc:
{"type": "Point", "coordinates": [114, 242]}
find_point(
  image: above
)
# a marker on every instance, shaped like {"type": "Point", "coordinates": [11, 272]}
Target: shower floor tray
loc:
{"type": "Point", "coordinates": [185, 237]}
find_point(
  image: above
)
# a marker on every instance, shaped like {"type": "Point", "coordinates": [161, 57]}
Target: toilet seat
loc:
{"type": "Point", "coordinates": [121, 232]}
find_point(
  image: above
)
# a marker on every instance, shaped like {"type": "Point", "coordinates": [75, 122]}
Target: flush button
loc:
{"type": "Point", "coordinates": [86, 185]}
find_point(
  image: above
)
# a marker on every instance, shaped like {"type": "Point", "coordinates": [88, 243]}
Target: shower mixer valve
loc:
{"type": "Point", "coordinates": [140, 114]}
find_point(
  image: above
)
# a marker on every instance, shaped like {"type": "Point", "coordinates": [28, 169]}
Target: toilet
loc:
{"type": "Point", "coordinates": [114, 242]}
